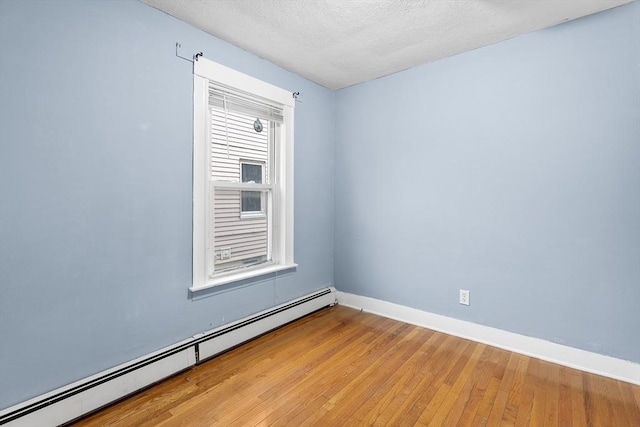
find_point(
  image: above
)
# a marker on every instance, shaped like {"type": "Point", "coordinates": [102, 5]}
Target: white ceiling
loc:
{"type": "Point", "coordinates": [339, 43]}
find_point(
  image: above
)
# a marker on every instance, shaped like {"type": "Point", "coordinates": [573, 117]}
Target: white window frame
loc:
{"type": "Point", "coordinates": [282, 255]}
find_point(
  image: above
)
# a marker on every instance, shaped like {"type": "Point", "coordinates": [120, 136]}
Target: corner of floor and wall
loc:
{"type": "Point", "coordinates": [513, 172]}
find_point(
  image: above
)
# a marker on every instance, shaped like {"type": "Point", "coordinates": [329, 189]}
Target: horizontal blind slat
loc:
{"type": "Point", "coordinates": [236, 101]}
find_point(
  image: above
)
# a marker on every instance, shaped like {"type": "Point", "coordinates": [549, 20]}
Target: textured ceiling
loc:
{"type": "Point", "coordinates": [339, 43]}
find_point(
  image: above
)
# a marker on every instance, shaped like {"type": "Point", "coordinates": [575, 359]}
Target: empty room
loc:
{"type": "Point", "coordinates": [319, 212]}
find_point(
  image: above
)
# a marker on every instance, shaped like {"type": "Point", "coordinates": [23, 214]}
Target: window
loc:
{"type": "Point", "coordinates": [251, 203]}
{"type": "Point", "coordinates": [242, 176]}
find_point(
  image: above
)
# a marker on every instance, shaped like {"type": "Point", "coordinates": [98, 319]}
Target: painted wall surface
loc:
{"type": "Point", "coordinates": [95, 190]}
{"type": "Point", "coordinates": [512, 171]}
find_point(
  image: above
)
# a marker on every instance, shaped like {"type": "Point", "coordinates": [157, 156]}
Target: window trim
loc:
{"type": "Point", "coordinates": [205, 70]}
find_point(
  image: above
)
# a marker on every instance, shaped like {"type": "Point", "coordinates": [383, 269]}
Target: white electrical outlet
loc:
{"type": "Point", "coordinates": [225, 253]}
{"type": "Point", "coordinates": [464, 297]}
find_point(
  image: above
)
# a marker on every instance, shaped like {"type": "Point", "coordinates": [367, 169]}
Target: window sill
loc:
{"type": "Point", "coordinates": [225, 280]}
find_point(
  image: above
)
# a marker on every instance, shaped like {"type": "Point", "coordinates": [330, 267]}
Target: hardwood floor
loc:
{"type": "Point", "coordinates": [339, 366]}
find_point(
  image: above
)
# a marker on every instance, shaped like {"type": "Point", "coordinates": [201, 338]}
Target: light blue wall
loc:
{"type": "Point", "coordinates": [512, 171]}
{"type": "Point", "coordinates": [95, 190]}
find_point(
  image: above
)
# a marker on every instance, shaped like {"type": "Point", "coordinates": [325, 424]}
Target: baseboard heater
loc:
{"type": "Point", "coordinates": [82, 397]}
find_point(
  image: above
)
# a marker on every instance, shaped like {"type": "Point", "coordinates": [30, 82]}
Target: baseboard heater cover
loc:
{"type": "Point", "coordinates": [82, 397]}
{"type": "Point", "coordinates": [216, 341]}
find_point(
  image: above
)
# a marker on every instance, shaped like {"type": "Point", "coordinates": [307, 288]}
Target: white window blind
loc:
{"type": "Point", "coordinates": [242, 231]}
{"type": "Point", "coordinates": [240, 102]}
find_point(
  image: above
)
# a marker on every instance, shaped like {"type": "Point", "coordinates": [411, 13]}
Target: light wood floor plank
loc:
{"type": "Point", "coordinates": [514, 391]}
{"type": "Point", "coordinates": [553, 393]}
{"type": "Point", "coordinates": [526, 401]}
{"type": "Point", "coordinates": [564, 398]}
{"type": "Point", "coordinates": [467, 384]}
{"type": "Point", "coordinates": [470, 409]}
{"type": "Point", "coordinates": [500, 402]}
{"type": "Point", "coordinates": [632, 410]}
{"type": "Point", "coordinates": [578, 403]}
{"type": "Point", "coordinates": [433, 388]}
{"type": "Point", "coordinates": [458, 383]}
{"type": "Point", "coordinates": [404, 379]}
{"type": "Point", "coordinates": [339, 366]}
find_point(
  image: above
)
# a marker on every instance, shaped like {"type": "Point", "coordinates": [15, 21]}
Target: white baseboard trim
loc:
{"type": "Point", "coordinates": [535, 347]}
{"type": "Point", "coordinates": [82, 397]}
